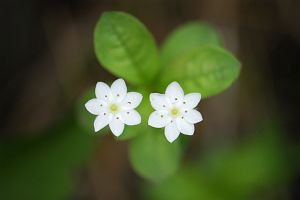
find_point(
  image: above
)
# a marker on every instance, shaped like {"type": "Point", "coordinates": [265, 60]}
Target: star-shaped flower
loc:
{"type": "Point", "coordinates": [114, 107]}
{"type": "Point", "coordinates": [175, 111]}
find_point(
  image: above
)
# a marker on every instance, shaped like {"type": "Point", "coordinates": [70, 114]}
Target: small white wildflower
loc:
{"type": "Point", "coordinates": [114, 107]}
{"type": "Point", "coordinates": [175, 111]}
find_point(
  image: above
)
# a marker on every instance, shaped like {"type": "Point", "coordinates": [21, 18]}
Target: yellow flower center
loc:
{"type": "Point", "coordinates": [114, 108]}
{"type": "Point", "coordinates": [175, 111]}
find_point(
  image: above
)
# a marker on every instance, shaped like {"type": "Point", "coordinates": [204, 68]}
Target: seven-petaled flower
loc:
{"type": "Point", "coordinates": [175, 111]}
{"type": "Point", "coordinates": [114, 107]}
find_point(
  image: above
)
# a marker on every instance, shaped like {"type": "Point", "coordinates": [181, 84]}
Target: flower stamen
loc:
{"type": "Point", "coordinates": [113, 108]}
{"type": "Point", "coordinates": [174, 112]}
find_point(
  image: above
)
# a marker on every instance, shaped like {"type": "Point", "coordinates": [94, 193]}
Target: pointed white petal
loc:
{"type": "Point", "coordinates": [95, 106]}
{"type": "Point", "coordinates": [184, 126]}
{"type": "Point", "coordinates": [131, 117]}
{"type": "Point", "coordinates": [116, 126]}
{"type": "Point", "coordinates": [132, 100]}
{"type": "Point", "coordinates": [159, 119]}
{"type": "Point", "coordinates": [159, 101]}
{"type": "Point", "coordinates": [171, 132]}
{"type": "Point", "coordinates": [191, 100]}
{"type": "Point", "coordinates": [103, 91]}
{"type": "Point", "coordinates": [193, 116]}
{"type": "Point", "coordinates": [119, 90]}
{"type": "Point", "coordinates": [101, 121]}
{"type": "Point", "coordinates": [174, 92]}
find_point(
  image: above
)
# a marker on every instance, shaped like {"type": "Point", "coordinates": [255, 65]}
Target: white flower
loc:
{"type": "Point", "coordinates": [114, 107]}
{"type": "Point", "coordinates": [175, 111]}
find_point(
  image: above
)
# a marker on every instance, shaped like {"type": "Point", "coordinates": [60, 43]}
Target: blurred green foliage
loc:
{"type": "Point", "coordinates": [44, 167]}
{"type": "Point", "coordinates": [191, 55]}
{"type": "Point", "coordinates": [230, 172]}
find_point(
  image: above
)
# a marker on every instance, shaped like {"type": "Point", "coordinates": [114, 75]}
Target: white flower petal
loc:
{"type": "Point", "coordinates": [131, 117]}
{"type": "Point", "coordinates": [116, 126]}
{"type": "Point", "coordinates": [119, 90]}
{"type": "Point", "coordinates": [103, 91]}
{"type": "Point", "coordinates": [159, 101]}
{"type": "Point", "coordinates": [184, 126]}
{"type": "Point", "coordinates": [95, 106]}
{"type": "Point", "coordinates": [159, 119]}
{"type": "Point", "coordinates": [191, 100]}
{"type": "Point", "coordinates": [174, 92]}
{"type": "Point", "coordinates": [132, 100]}
{"type": "Point", "coordinates": [193, 116]}
{"type": "Point", "coordinates": [101, 121]}
{"type": "Point", "coordinates": [171, 132]}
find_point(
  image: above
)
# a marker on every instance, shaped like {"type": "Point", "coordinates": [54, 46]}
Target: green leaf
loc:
{"type": "Point", "coordinates": [153, 157]}
{"type": "Point", "coordinates": [126, 48]}
{"type": "Point", "coordinates": [185, 38]}
{"type": "Point", "coordinates": [43, 168]}
{"type": "Point", "coordinates": [208, 70]}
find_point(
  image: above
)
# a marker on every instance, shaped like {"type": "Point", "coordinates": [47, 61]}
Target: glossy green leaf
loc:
{"type": "Point", "coordinates": [186, 38]}
{"type": "Point", "coordinates": [125, 47]}
{"type": "Point", "coordinates": [153, 157]}
{"type": "Point", "coordinates": [208, 70]}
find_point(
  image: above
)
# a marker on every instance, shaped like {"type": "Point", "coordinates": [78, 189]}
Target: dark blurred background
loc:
{"type": "Point", "coordinates": [48, 62]}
